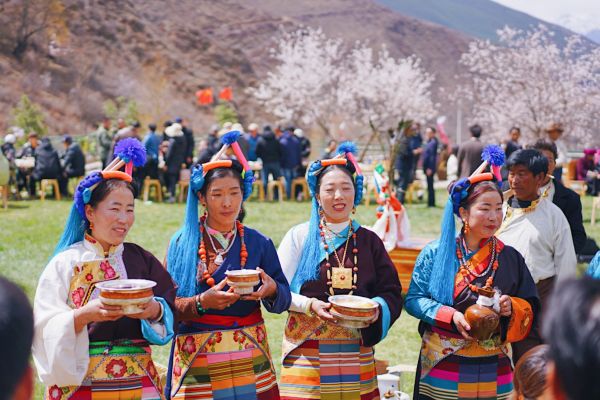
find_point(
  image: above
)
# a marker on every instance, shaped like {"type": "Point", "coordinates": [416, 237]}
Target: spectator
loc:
{"type": "Point", "coordinates": [16, 338]}
{"type": "Point", "coordinates": [452, 164]}
{"type": "Point", "coordinates": [204, 153]}
{"type": "Point", "coordinates": [151, 143]}
{"type": "Point", "coordinates": [174, 158]}
{"type": "Point", "coordinates": [469, 153]}
{"type": "Point", "coordinates": [72, 162]}
{"type": "Point", "coordinates": [416, 144]}
{"type": "Point", "coordinates": [572, 329]}
{"type": "Point", "coordinates": [213, 139]}
{"type": "Point", "coordinates": [252, 139]}
{"type": "Point", "coordinates": [8, 147]}
{"type": "Point", "coordinates": [268, 150]}
{"type": "Point", "coordinates": [404, 161]}
{"type": "Point", "coordinates": [587, 171]}
{"type": "Point", "coordinates": [538, 230]}
{"type": "Point", "coordinates": [329, 151]}
{"type": "Point", "coordinates": [430, 163]}
{"type": "Point", "coordinates": [555, 131]}
{"type": "Point", "coordinates": [530, 381]}
{"type": "Point", "coordinates": [47, 163]}
{"type": "Point", "coordinates": [291, 159]}
{"type": "Point", "coordinates": [513, 144]}
{"type": "Point", "coordinates": [105, 137]}
{"type": "Point", "coordinates": [305, 150]}
{"type": "Point", "coordinates": [188, 134]}
{"type": "Point", "coordinates": [24, 179]}
{"type": "Point", "coordinates": [166, 124]}
{"type": "Point", "coordinates": [567, 200]}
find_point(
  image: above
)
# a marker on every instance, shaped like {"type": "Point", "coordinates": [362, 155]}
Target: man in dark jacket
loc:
{"type": "Point", "coordinates": [469, 153]}
{"type": "Point", "coordinates": [47, 162]}
{"type": "Point", "coordinates": [189, 141]}
{"type": "Point", "coordinates": [430, 163]}
{"type": "Point", "coordinates": [268, 150]}
{"type": "Point", "coordinates": [291, 159]}
{"type": "Point", "coordinates": [174, 158]}
{"type": "Point", "coordinates": [73, 164]}
{"type": "Point", "coordinates": [567, 200]}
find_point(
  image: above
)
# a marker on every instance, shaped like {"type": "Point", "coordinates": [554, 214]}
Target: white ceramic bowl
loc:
{"type": "Point", "coordinates": [243, 281]}
{"type": "Point", "coordinates": [130, 294]}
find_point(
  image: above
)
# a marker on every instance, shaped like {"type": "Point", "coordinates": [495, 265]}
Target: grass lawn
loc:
{"type": "Point", "coordinates": [29, 231]}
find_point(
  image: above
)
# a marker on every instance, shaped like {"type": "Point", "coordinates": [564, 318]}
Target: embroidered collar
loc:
{"type": "Point", "coordinates": [93, 245]}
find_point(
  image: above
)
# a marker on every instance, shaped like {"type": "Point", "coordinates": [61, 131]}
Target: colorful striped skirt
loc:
{"type": "Point", "coordinates": [457, 377]}
{"type": "Point", "coordinates": [232, 364]}
{"type": "Point", "coordinates": [325, 361]}
{"type": "Point", "coordinates": [122, 370]}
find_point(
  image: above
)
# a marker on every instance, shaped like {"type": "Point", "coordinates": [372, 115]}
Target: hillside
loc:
{"type": "Point", "coordinates": [160, 52]}
{"type": "Point", "coordinates": [475, 18]}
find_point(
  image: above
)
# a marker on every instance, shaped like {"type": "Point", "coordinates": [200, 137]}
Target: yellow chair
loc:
{"type": "Point", "coordinates": [153, 183]}
{"type": "Point", "coordinates": [260, 189]}
{"type": "Point", "coordinates": [276, 184]}
{"type": "Point", "coordinates": [411, 190]}
{"type": "Point", "coordinates": [595, 204]}
{"type": "Point", "coordinates": [183, 189]}
{"type": "Point", "coordinates": [4, 192]}
{"type": "Point", "coordinates": [370, 189]}
{"type": "Point", "coordinates": [52, 183]}
{"type": "Point", "coordinates": [301, 181]}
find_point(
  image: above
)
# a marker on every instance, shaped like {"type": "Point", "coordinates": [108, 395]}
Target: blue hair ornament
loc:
{"type": "Point", "coordinates": [346, 147]}
{"type": "Point", "coordinates": [494, 155]}
{"type": "Point", "coordinates": [131, 150]}
{"type": "Point", "coordinates": [230, 137]}
{"type": "Point", "coordinates": [83, 192]}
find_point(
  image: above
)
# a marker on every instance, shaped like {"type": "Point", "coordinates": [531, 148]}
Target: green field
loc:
{"type": "Point", "coordinates": [29, 231]}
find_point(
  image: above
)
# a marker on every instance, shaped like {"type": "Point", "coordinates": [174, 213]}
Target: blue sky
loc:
{"type": "Point", "coordinates": [578, 15]}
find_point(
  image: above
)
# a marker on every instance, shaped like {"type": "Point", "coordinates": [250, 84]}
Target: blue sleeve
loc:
{"type": "Point", "coordinates": [594, 267]}
{"type": "Point", "coordinates": [270, 264]}
{"type": "Point", "coordinates": [167, 320]}
{"type": "Point", "coordinates": [418, 301]}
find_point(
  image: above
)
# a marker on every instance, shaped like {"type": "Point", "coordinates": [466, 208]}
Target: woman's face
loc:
{"type": "Point", "coordinates": [223, 202]}
{"type": "Point", "coordinates": [112, 218]}
{"type": "Point", "coordinates": [336, 196]}
{"type": "Point", "coordinates": [484, 216]}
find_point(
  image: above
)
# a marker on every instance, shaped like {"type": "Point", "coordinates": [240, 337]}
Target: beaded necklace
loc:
{"type": "Point", "coordinates": [465, 271]}
{"type": "Point", "coordinates": [203, 261]}
{"type": "Point", "coordinates": [339, 277]}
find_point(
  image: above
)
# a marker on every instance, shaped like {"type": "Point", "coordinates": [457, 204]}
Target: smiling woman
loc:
{"type": "Point", "coordinates": [80, 342]}
{"type": "Point", "coordinates": [333, 255]}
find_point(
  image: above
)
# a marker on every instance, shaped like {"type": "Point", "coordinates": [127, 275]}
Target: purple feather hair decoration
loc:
{"type": "Point", "coordinates": [131, 149]}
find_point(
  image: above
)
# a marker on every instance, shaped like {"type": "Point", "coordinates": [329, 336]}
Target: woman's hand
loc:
{"type": "Point", "coordinates": [505, 306]}
{"type": "Point", "coordinates": [95, 311]}
{"type": "Point", "coordinates": [321, 309]}
{"type": "Point", "coordinates": [267, 290]}
{"type": "Point", "coordinates": [151, 311]}
{"type": "Point", "coordinates": [216, 298]}
{"type": "Point", "coordinates": [461, 324]}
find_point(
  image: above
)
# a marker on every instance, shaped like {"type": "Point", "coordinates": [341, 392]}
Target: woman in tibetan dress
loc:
{"type": "Point", "coordinates": [333, 255]}
{"type": "Point", "coordinates": [84, 349]}
{"type": "Point", "coordinates": [221, 350]}
{"type": "Point", "coordinates": [448, 275]}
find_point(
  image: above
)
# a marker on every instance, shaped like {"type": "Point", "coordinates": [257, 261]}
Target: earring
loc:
{"type": "Point", "coordinates": [466, 228]}
{"type": "Point", "coordinates": [205, 211]}
{"type": "Point", "coordinates": [91, 226]}
{"type": "Point", "coordinates": [353, 210]}
{"type": "Point", "coordinates": [321, 213]}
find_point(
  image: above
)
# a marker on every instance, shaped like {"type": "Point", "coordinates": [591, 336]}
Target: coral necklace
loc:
{"type": "Point", "coordinates": [205, 274]}
{"type": "Point", "coordinates": [340, 277]}
{"type": "Point", "coordinates": [465, 271]}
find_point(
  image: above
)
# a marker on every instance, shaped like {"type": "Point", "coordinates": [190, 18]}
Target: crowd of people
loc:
{"type": "Point", "coordinates": [500, 311]}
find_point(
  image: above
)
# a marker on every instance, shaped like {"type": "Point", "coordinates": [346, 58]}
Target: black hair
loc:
{"type": "Point", "coordinates": [432, 129]}
{"type": "Point", "coordinates": [475, 130]}
{"type": "Point", "coordinates": [531, 159]}
{"type": "Point", "coordinates": [572, 329]}
{"type": "Point", "coordinates": [235, 172]}
{"type": "Point", "coordinates": [515, 128]}
{"type": "Point", "coordinates": [477, 190]}
{"type": "Point", "coordinates": [137, 124]}
{"type": "Point", "coordinates": [16, 336]}
{"type": "Point", "coordinates": [167, 124]}
{"type": "Point", "coordinates": [454, 149]}
{"type": "Point", "coordinates": [152, 127]}
{"type": "Point", "coordinates": [106, 187]}
{"type": "Point", "coordinates": [547, 145]}
{"type": "Point", "coordinates": [348, 169]}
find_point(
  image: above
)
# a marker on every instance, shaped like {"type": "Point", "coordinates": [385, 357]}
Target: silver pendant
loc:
{"type": "Point", "coordinates": [218, 259]}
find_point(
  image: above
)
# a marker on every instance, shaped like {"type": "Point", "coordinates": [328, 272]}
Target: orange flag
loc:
{"type": "Point", "coordinates": [226, 94]}
{"type": "Point", "coordinates": [204, 96]}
